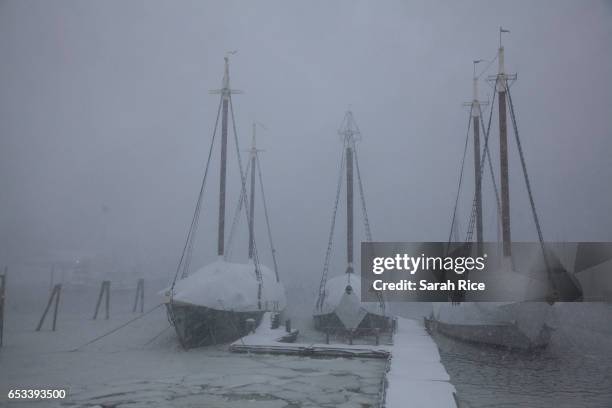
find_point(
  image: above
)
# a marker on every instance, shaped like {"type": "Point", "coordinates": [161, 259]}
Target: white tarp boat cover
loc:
{"type": "Point", "coordinates": [230, 286]}
{"type": "Point", "coordinates": [335, 289]}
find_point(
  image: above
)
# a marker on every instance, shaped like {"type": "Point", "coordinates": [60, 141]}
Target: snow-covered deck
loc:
{"type": "Point", "coordinates": [416, 377]}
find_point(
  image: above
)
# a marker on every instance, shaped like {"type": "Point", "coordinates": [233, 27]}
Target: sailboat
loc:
{"type": "Point", "coordinates": [222, 301]}
{"type": "Point", "coordinates": [339, 307]}
{"type": "Point", "coordinates": [520, 324]}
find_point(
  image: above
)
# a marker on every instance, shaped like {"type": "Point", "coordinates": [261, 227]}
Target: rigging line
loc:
{"type": "Point", "coordinates": [488, 66]}
{"type": "Point", "coordinates": [467, 138]}
{"type": "Point", "coordinates": [486, 149]}
{"type": "Point", "coordinates": [530, 193]}
{"type": "Point", "coordinates": [236, 219]}
{"type": "Point", "coordinates": [330, 241]}
{"type": "Point", "coordinates": [265, 207]}
{"type": "Point", "coordinates": [362, 195]}
{"type": "Point", "coordinates": [366, 220]}
{"type": "Point", "coordinates": [246, 207]}
{"type": "Point", "coordinates": [198, 207]}
{"type": "Point", "coordinates": [487, 154]}
{"type": "Point", "coordinates": [157, 335]}
{"type": "Point", "coordinates": [116, 328]}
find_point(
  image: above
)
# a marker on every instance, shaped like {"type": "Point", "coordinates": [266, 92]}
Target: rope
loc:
{"type": "Point", "coordinates": [185, 259]}
{"type": "Point", "coordinates": [157, 335]}
{"type": "Point", "coordinates": [488, 158]}
{"type": "Point", "coordinates": [529, 192]}
{"type": "Point", "coordinates": [246, 207]}
{"type": "Point", "coordinates": [331, 234]}
{"type": "Point", "coordinates": [485, 155]}
{"type": "Point", "coordinates": [265, 207]}
{"type": "Point", "coordinates": [467, 138]}
{"type": "Point", "coordinates": [236, 220]}
{"type": "Point", "coordinates": [366, 221]}
{"type": "Point", "coordinates": [192, 229]}
{"type": "Point", "coordinates": [116, 328]}
{"type": "Point", "coordinates": [488, 66]}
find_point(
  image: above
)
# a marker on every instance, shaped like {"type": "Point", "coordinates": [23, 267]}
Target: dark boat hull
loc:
{"type": "Point", "coordinates": [198, 326]}
{"type": "Point", "coordinates": [505, 336]}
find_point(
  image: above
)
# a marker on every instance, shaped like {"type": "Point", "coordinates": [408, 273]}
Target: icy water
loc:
{"type": "Point", "coordinates": [143, 366]}
{"type": "Point", "coordinates": [574, 371]}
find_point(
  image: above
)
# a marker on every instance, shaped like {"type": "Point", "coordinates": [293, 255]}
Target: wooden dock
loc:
{"type": "Point", "coordinates": [415, 375]}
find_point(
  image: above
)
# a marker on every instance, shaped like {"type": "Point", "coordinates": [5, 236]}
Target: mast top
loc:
{"type": "Point", "coordinates": [225, 90]}
{"type": "Point", "coordinates": [501, 78]}
{"type": "Point", "coordinates": [254, 150]}
{"type": "Point", "coordinates": [475, 104]}
{"type": "Point", "coordinates": [349, 130]}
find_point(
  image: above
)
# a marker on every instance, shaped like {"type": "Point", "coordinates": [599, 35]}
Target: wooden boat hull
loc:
{"type": "Point", "coordinates": [502, 335]}
{"type": "Point", "coordinates": [198, 326]}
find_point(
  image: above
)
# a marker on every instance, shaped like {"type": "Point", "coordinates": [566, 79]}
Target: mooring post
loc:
{"type": "Point", "coordinates": [250, 323]}
{"type": "Point", "coordinates": [99, 300]}
{"type": "Point", "coordinates": [2, 294]}
{"type": "Point", "coordinates": [104, 290]}
{"type": "Point", "coordinates": [107, 299]}
{"type": "Point", "coordinates": [139, 296]}
{"type": "Point", "coordinates": [54, 293]}
{"type": "Point", "coordinates": [58, 291]}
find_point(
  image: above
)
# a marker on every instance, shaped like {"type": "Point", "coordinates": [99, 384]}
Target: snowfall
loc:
{"type": "Point", "coordinates": [142, 365]}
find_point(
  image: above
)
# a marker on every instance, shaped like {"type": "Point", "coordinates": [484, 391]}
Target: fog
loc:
{"type": "Point", "coordinates": [106, 120]}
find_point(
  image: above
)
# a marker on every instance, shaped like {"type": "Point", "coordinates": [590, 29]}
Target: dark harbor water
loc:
{"type": "Point", "coordinates": [574, 371]}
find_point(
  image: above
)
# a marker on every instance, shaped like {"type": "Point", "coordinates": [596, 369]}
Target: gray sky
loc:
{"type": "Point", "coordinates": [106, 104]}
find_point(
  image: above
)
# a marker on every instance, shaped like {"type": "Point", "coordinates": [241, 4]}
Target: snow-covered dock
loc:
{"type": "Point", "coordinates": [415, 376]}
{"type": "Point", "coordinates": [266, 340]}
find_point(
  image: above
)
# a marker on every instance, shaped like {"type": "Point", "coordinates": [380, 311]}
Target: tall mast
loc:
{"type": "Point", "coordinates": [225, 92]}
{"type": "Point", "coordinates": [253, 152]}
{"type": "Point", "coordinates": [476, 112]}
{"type": "Point", "coordinates": [502, 83]}
{"type": "Point", "coordinates": [350, 134]}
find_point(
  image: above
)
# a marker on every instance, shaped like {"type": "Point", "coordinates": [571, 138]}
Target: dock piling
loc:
{"type": "Point", "coordinates": [104, 290]}
{"type": "Point", "coordinates": [55, 295]}
{"type": "Point", "coordinates": [139, 296]}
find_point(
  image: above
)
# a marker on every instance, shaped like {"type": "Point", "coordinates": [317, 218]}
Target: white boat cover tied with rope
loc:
{"type": "Point", "coordinates": [230, 286]}
{"type": "Point", "coordinates": [335, 291]}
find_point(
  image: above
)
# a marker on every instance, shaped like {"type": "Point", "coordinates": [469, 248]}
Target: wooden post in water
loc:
{"type": "Point", "coordinates": [104, 290]}
{"type": "Point", "coordinates": [55, 295]}
{"type": "Point", "coordinates": [107, 299]}
{"type": "Point", "coordinates": [57, 298]}
{"type": "Point", "coordinates": [139, 296]}
{"type": "Point", "coordinates": [2, 294]}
